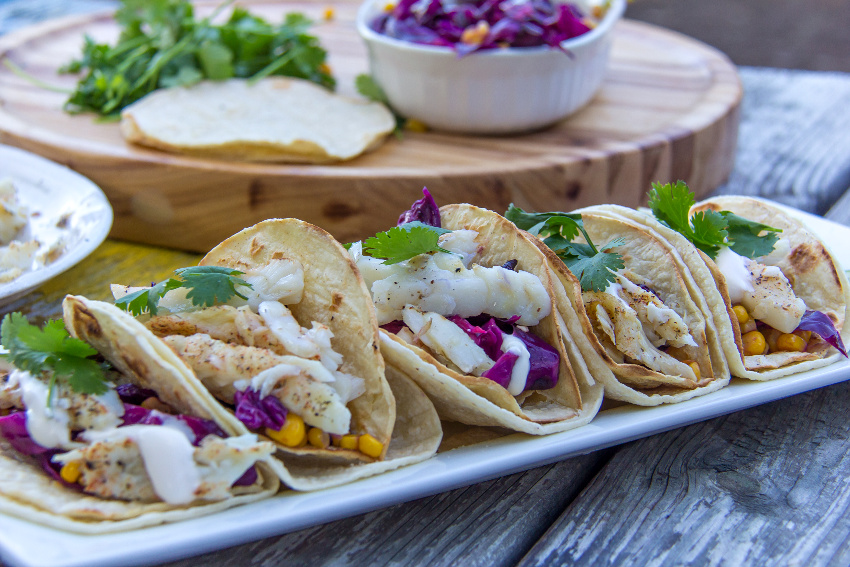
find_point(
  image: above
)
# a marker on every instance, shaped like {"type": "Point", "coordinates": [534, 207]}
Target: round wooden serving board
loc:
{"type": "Point", "coordinates": [668, 110]}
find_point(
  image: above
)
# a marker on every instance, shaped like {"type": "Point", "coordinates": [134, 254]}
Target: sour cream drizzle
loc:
{"type": "Point", "coordinates": [168, 456]}
{"type": "Point", "coordinates": [519, 373]}
{"type": "Point", "coordinates": [48, 426]}
{"type": "Point", "coordinates": [734, 269]}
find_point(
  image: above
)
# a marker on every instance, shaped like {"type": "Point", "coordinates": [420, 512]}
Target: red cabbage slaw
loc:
{"type": "Point", "coordinates": [473, 25]}
{"type": "Point", "coordinates": [14, 429]}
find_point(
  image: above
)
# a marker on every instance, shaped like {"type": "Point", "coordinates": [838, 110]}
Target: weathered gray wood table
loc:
{"type": "Point", "coordinates": [764, 486]}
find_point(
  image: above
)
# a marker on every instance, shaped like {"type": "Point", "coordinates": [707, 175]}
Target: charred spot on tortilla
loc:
{"type": "Point", "coordinates": [256, 247]}
{"type": "Point", "coordinates": [336, 301]}
{"type": "Point", "coordinates": [86, 321]}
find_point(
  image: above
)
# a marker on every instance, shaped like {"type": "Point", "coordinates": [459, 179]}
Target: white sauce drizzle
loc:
{"type": "Point", "coordinates": [48, 426]}
{"type": "Point", "coordinates": [734, 268]}
{"type": "Point", "coordinates": [522, 365]}
{"type": "Point", "coordinates": [168, 456]}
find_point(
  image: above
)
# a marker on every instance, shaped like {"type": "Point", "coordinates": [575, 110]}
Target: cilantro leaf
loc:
{"type": "Point", "coordinates": [709, 230]}
{"type": "Point", "coordinates": [147, 299]}
{"type": "Point", "coordinates": [371, 90]}
{"type": "Point", "coordinates": [207, 285]}
{"type": "Point", "coordinates": [671, 205]}
{"type": "Point", "coordinates": [746, 236]}
{"type": "Point", "coordinates": [597, 270]}
{"type": "Point", "coordinates": [52, 349]}
{"type": "Point", "coordinates": [404, 242]}
{"type": "Point", "coordinates": [594, 267]}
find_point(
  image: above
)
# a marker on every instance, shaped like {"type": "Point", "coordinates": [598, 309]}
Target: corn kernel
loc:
{"type": "Point", "coordinates": [475, 35]}
{"type": "Point", "coordinates": [748, 326]}
{"type": "Point", "coordinates": [741, 314]}
{"type": "Point", "coordinates": [370, 446]}
{"type": "Point", "coordinates": [328, 14]}
{"type": "Point", "coordinates": [325, 68]}
{"type": "Point", "coordinates": [754, 343]}
{"type": "Point", "coordinates": [348, 442]}
{"type": "Point", "coordinates": [694, 366]}
{"type": "Point", "coordinates": [70, 472]}
{"type": "Point", "coordinates": [389, 7]}
{"type": "Point", "coordinates": [789, 342]}
{"type": "Point", "coordinates": [318, 438]}
{"type": "Point", "coordinates": [293, 432]}
{"type": "Point", "coordinates": [415, 125]}
{"type": "Point", "coordinates": [805, 335]}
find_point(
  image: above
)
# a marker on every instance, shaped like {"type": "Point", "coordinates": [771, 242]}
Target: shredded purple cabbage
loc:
{"type": "Point", "coordinates": [393, 326]}
{"type": "Point", "coordinates": [544, 360]}
{"type": "Point", "coordinates": [257, 413]}
{"type": "Point", "coordinates": [425, 210]}
{"type": "Point", "coordinates": [14, 428]}
{"type": "Point", "coordinates": [137, 415]}
{"type": "Point", "coordinates": [247, 479]}
{"type": "Point", "coordinates": [543, 373]}
{"type": "Point", "coordinates": [820, 324]}
{"type": "Point", "coordinates": [483, 24]}
{"type": "Point", "coordinates": [132, 394]}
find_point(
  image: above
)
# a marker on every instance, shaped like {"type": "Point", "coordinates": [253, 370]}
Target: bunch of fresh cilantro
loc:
{"type": "Point", "coordinates": [709, 230]}
{"type": "Point", "coordinates": [594, 266]}
{"type": "Point", "coordinates": [52, 350]}
{"type": "Point", "coordinates": [163, 45]}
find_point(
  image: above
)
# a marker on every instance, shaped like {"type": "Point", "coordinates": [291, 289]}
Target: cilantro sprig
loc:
{"type": "Point", "coordinates": [52, 349]}
{"type": "Point", "coordinates": [405, 241]}
{"type": "Point", "coordinates": [709, 230]}
{"type": "Point", "coordinates": [207, 285]}
{"type": "Point", "coordinates": [162, 44]}
{"type": "Point", "coordinates": [594, 266]}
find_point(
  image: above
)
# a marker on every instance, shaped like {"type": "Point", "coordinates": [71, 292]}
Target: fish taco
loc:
{"type": "Point", "coordinates": [101, 433]}
{"type": "Point", "coordinates": [466, 306]}
{"type": "Point", "coordinates": [287, 342]}
{"type": "Point", "coordinates": [638, 319]}
{"type": "Point", "coordinates": [777, 297]}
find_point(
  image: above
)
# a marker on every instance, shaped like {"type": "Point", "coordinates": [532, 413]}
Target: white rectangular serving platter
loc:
{"type": "Point", "coordinates": [30, 545]}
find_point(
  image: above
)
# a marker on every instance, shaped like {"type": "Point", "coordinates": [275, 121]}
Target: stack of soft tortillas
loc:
{"type": "Point", "coordinates": [273, 120]}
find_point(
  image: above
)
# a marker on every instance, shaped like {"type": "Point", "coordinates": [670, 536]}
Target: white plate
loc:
{"type": "Point", "coordinates": [31, 545]}
{"type": "Point", "coordinates": [51, 191]}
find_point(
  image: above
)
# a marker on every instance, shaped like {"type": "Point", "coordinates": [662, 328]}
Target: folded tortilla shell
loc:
{"type": "Point", "coordinates": [277, 119]}
{"type": "Point", "coordinates": [334, 295]}
{"type": "Point", "coordinates": [814, 274]}
{"type": "Point", "coordinates": [474, 400]}
{"type": "Point", "coordinates": [27, 492]}
{"type": "Point", "coordinates": [650, 258]}
{"type": "Point", "coordinates": [811, 268]}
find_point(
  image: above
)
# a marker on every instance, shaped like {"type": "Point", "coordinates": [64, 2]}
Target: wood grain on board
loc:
{"type": "Point", "coordinates": [667, 110]}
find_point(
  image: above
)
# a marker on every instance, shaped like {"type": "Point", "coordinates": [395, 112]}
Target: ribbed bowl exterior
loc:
{"type": "Point", "coordinates": [489, 92]}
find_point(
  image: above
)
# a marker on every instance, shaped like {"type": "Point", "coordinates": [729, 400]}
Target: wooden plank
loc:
{"type": "Point", "coordinates": [793, 144]}
{"type": "Point", "coordinates": [766, 486]}
{"type": "Point", "coordinates": [667, 110]}
{"type": "Point", "coordinates": [490, 524]}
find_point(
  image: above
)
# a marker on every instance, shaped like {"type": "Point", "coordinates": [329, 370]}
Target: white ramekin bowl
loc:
{"type": "Point", "coordinates": [495, 91]}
